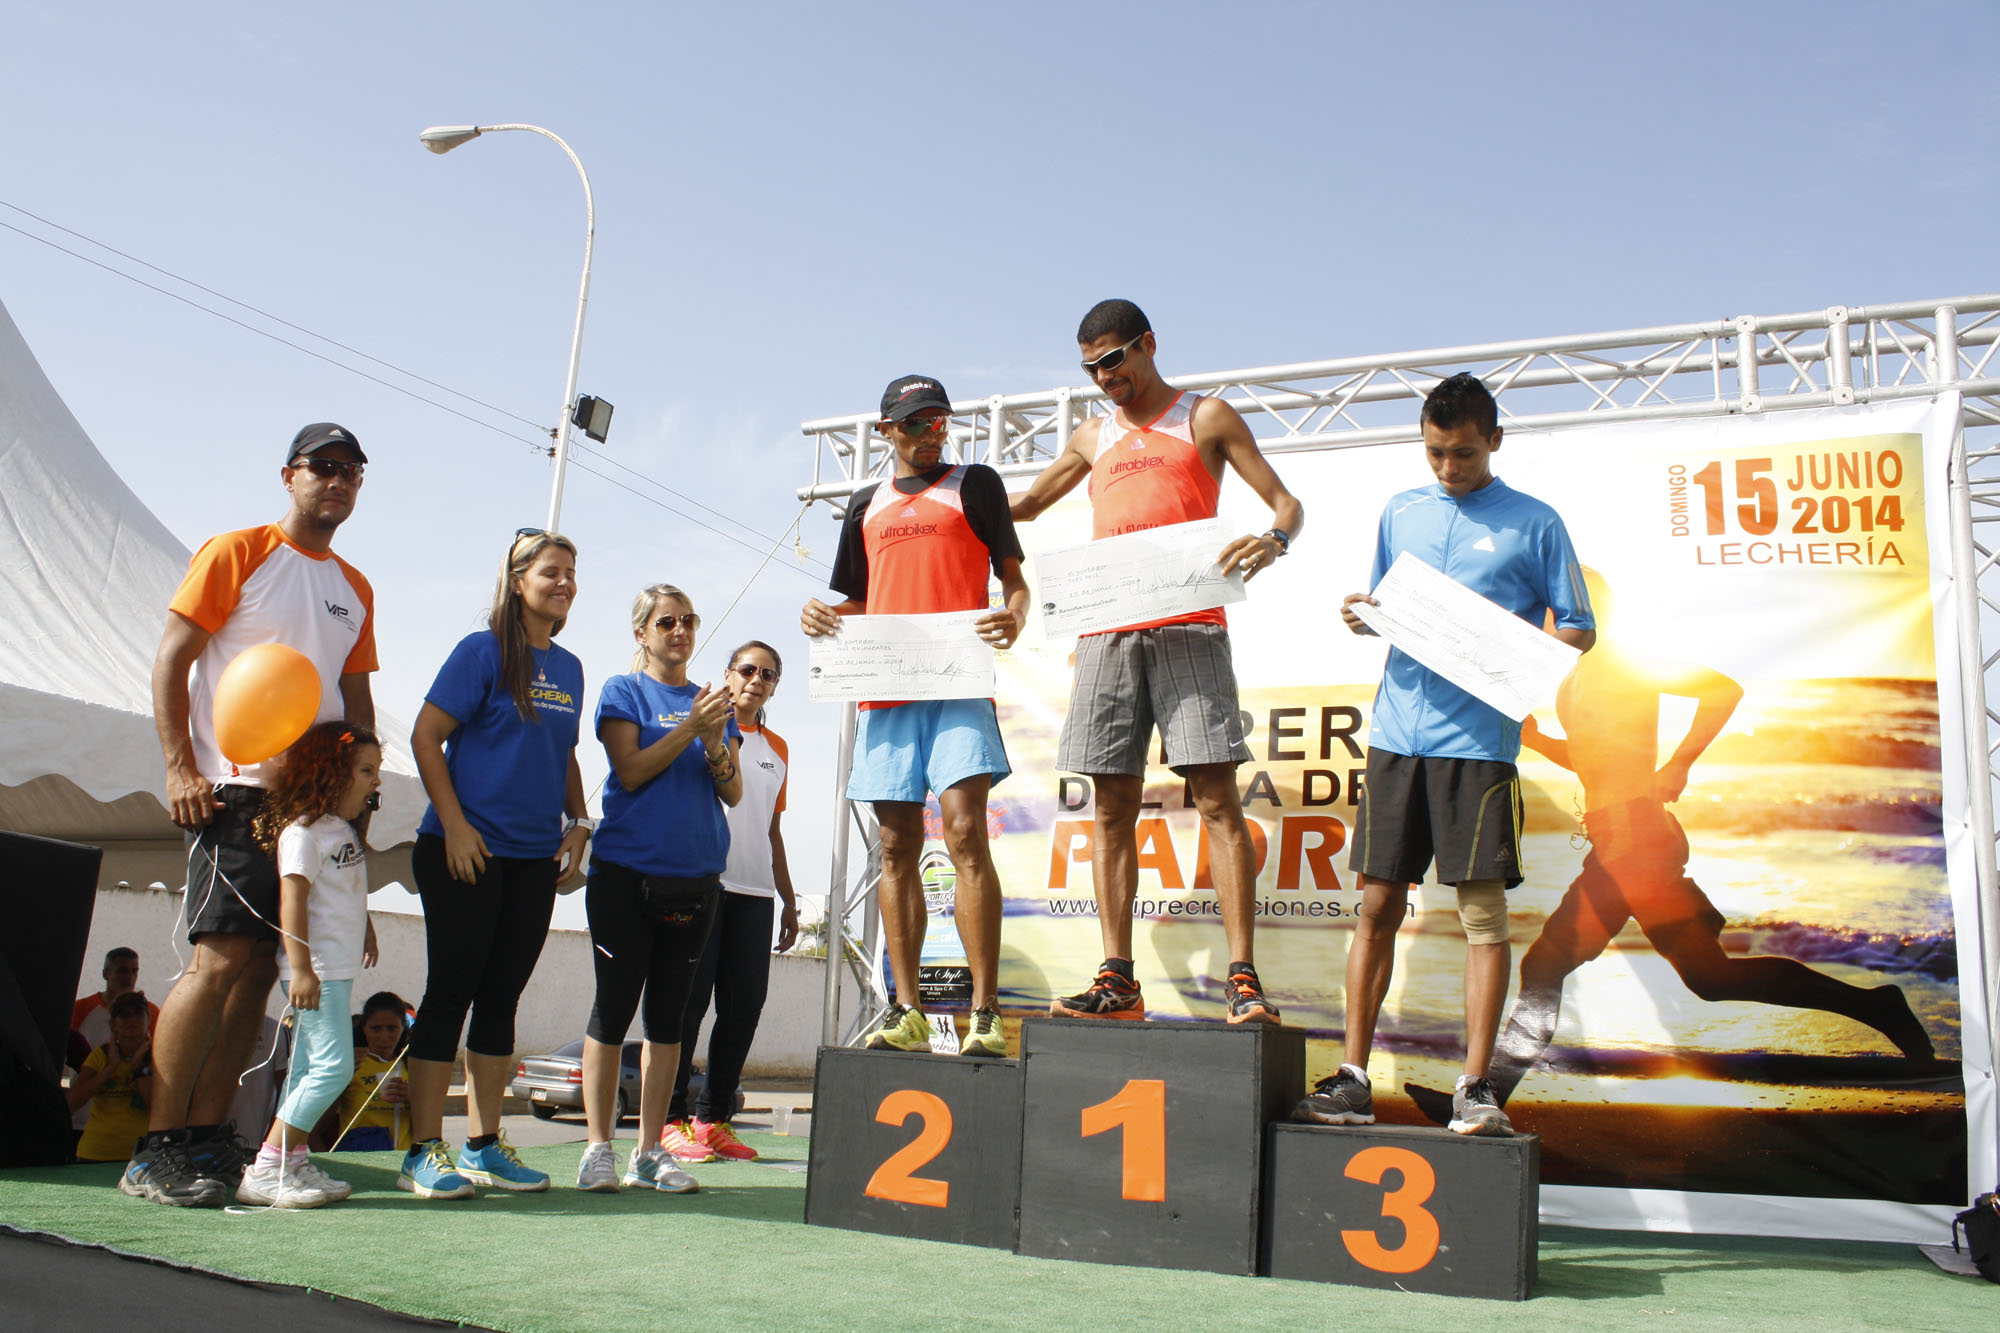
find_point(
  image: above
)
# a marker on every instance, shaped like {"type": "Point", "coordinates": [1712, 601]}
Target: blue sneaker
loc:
{"type": "Point", "coordinates": [499, 1166]}
{"type": "Point", "coordinates": [427, 1173]}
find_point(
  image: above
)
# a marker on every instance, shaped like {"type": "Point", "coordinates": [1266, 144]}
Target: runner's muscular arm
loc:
{"type": "Point", "coordinates": [191, 801]}
{"type": "Point", "coordinates": [1220, 432]}
{"type": "Point", "coordinates": [1060, 477]}
{"type": "Point", "coordinates": [1716, 697]}
{"type": "Point", "coordinates": [357, 699]}
{"type": "Point", "coordinates": [1001, 628]}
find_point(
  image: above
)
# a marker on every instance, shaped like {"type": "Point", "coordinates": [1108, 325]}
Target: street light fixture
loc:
{"type": "Point", "coordinates": [444, 138]}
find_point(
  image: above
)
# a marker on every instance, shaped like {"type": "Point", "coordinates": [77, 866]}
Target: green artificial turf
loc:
{"type": "Point", "coordinates": [738, 1256]}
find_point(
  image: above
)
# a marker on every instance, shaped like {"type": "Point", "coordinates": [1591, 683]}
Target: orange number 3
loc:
{"type": "Point", "coordinates": [893, 1180]}
{"type": "Point", "coordinates": [1405, 1204]}
{"type": "Point", "coordinates": [1141, 1107]}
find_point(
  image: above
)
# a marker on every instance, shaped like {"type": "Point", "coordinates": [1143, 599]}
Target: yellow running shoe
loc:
{"type": "Point", "coordinates": [986, 1038]}
{"type": "Point", "coordinates": [902, 1029]}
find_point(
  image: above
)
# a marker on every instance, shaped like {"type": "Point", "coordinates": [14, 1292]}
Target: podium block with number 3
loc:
{"type": "Point", "coordinates": [910, 1144]}
{"type": "Point", "coordinates": [1142, 1142]}
{"type": "Point", "coordinates": [1397, 1206]}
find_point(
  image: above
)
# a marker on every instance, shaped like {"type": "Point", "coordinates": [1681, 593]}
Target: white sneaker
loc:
{"type": "Point", "coordinates": [598, 1171]}
{"type": "Point", "coordinates": [652, 1168]}
{"type": "Point", "coordinates": [311, 1175]}
{"type": "Point", "coordinates": [276, 1186]}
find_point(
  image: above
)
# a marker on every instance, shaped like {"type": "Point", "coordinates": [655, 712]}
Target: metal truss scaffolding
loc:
{"type": "Point", "coordinates": [1749, 364]}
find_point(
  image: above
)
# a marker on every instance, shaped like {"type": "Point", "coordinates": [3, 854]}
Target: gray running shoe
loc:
{"type": "Point", "coordinates": [277, 1185]}
{"type": "Point", "coordinates": [163, 1174]}
{"type": "Point", "coordinates": [598, 1171]}
{"type": "Point", "coordinates": [1342, 1098]}
{"type": "Point", "coordinates": [1476, 1110]}
{"type": "Point", "coordinates": [651, 1168]}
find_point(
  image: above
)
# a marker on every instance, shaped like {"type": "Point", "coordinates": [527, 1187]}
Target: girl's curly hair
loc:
{"type": "Point", "coordinates": [312, 780]}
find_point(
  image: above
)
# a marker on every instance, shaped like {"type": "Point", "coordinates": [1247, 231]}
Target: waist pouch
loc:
{"type": "Point", "coordinates": [673, 901]}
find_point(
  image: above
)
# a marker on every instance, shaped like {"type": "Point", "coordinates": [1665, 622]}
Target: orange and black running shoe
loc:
{"type": "Point", "coordinates": [1246, 1000]}
{"type": "Point", "coordinates": [1112, 995]}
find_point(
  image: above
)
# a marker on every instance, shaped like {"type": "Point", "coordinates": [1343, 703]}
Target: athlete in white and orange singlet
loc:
{"type": "Point", "coordinates": [1158, 459]}
{"type": "Point", "coordinates": [921, 542]}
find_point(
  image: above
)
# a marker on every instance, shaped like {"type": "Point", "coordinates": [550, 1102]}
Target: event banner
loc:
{"type": "Point", "coordinates": [1736, 989]}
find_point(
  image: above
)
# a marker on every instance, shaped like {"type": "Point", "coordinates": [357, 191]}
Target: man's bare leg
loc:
{"type": "Point", "coordinates": [1713, 975]}
{"type": "Point", "coordinates": [1371, 962]}
{"type": "Point", "coordinates": [189, 1024]}
{"type": "Point", "coordinates": [1486, 969]}
{"type": "Point", "coordinates": [977, 902]}
{"type": "Point", "coordinates": [1231, 858]}
{"type": "Point", "coordinates": [1114, 858]}
{"type": "Point", "coordinates": [235, 1048]}
{"type": "Point", "coordinates": [902, 893]}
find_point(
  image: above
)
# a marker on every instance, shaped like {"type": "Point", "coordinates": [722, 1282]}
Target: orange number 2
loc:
{"type": "Point", "coordinates": [1141, 1107]}
{"type": "Point", "coordinates": [893, 1179]}
{"type": "Point", "coordinates": [1405, 1203]}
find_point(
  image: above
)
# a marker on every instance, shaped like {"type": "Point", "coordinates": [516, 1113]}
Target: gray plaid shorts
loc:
{"type": "Point", "coordinates": [1177, 677]}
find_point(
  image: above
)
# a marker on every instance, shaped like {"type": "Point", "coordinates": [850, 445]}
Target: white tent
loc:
{"type": "Point", "coordinates": [86, 572]}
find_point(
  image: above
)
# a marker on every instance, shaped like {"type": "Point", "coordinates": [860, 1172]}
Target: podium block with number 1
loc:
{"type": "Point", "coordinates": [1142, 1143]}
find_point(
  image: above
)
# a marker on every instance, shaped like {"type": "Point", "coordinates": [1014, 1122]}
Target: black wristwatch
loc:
{"type": "Point", "coordinates": [1282, 538]}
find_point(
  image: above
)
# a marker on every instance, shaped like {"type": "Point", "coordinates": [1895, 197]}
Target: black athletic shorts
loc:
{"type": "Point", "coordinates": [231, 883]}
{"type": "Point", "coordinates": [1464, 813]}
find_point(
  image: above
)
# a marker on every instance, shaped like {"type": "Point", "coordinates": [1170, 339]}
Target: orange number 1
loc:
{"type": "Point", "coordinates": [893, 1180]}
{"type": "Point", "coordinates": [1405, 1203]}
{"type": "Point", "coordinates": [1141, 1107]}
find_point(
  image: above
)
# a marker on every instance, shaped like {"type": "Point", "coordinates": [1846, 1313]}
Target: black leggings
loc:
{"type": "Point", "coordinates": [736, 965]}
{"type": "Point", "coordinates": [483, 940]}
{"type": "Point", "coordinates": [632, 952]}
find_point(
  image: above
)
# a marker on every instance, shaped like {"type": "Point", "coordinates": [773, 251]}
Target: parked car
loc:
{"type": "Point", "coordinates": [552, 1084]}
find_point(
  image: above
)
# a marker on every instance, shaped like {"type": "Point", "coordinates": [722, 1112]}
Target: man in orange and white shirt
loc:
{"type": "Point", "coordinates": [1156, 460]}
{"type": "Point", "coordinates": [280, 583]}
{"type": "Point", "coordinates": [921, 542]}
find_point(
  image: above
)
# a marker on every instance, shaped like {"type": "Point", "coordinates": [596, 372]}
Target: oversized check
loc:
{"type": "Point", "coordinates": [1477, 645]}
{"type": "Point", "coordinates": [1135, 577]}
{"type": "Point", "coordinates": [882, 659]}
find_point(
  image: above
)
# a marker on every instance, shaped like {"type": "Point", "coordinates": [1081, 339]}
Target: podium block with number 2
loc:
{"type": "Point", "coordinates": [916, 1145]}
{"type": "Point", "coordinates": [1142, 1143]}
{"type": "Point", "coordinates": [1397, 1206]}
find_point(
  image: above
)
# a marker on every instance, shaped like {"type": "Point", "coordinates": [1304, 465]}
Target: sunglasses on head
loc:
{"type": "Point", "coordinates": [687, 621]}
{"type": "Point", "coordinates": [329, 468]}
{"type": "Point", "coordinates": [1111, 360]}
{"type": "Point", "coordinates": [751, 671]}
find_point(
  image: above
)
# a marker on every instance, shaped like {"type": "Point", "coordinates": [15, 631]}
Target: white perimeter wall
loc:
{"type": "Point", "coordinates": [553, 1010]}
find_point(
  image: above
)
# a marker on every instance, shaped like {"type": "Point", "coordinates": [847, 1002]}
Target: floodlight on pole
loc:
{"type": "Point", "coordinates": [444, 138]}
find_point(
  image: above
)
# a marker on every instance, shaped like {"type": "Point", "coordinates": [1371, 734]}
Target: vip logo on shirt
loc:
{"type": "Point", "coordinates": [336, 610]}
{"type": "Point", "coordinates": [347, 854]}
{"type": "Point", "coordinates": [765, 763]}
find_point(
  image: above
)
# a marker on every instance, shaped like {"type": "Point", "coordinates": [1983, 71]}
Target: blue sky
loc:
{"type": "Point", "coordinates": [798, 202]}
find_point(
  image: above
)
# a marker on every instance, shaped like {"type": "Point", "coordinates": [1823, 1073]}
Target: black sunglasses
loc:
{"type": "Point", "coordinates": [1111, 360]}
{"type": "Point", "coordinates": [925, 425]}
{"type": "Point", "coordinates": [750, 671]}
{"type": "Point", "coordinates": [329, 468]}
{"type": "Point", "coordinates": [687, 621]}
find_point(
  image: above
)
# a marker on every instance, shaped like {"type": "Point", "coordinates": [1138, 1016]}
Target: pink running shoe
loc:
{"type": "Point", "coordinates": [721, 1140]}
{"type": "Point", "coordinates": [684, 1142]}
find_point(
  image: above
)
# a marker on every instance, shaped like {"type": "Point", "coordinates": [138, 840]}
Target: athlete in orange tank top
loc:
{"type": "Point", "coordinates": [1166, 470]}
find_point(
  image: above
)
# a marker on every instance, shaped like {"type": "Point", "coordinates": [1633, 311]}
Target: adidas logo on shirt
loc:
{"type": "Point", "coordinates": [1484, 544]}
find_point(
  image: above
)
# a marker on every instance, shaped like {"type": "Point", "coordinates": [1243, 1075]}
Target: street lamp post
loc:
{"type": "Point", "coordinates": [444, 138]}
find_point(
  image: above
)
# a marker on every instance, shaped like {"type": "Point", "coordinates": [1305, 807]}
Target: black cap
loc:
{"type": "Point", "coordinates": [912, 393]}
{"type": "Point", "coordinates": [317, 436]}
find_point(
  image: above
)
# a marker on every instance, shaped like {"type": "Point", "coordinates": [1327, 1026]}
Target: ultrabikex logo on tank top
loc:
{"type": "Point", "coordinates": [552, 697]}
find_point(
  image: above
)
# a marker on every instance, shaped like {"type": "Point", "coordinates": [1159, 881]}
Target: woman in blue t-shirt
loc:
{"type": "Point", "coordinates": [655, 876]}
{"type": "Point", "coordinates": [496, 746]}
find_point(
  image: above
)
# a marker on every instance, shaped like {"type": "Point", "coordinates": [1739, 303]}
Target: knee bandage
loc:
{"type": "Point", "coordinates": [1482, 910]}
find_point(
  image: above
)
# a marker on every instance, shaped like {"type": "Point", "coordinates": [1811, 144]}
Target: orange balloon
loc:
{"type": "Point", "coordinates": [265, 700]}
